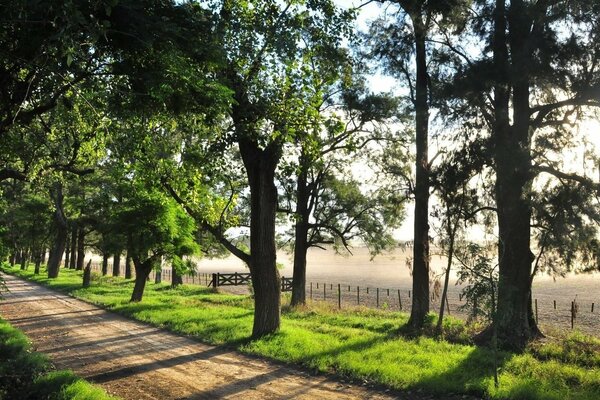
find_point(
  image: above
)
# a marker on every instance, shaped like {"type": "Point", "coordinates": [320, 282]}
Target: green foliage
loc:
{"type": "Point", "coordinates": [479, 273]}
{"type": "Point", "coordinates": [27, 375]}
{"type": "Point", "coordinates": [156, 226]}
{"type": "Point", "coordinates": [358, 343]}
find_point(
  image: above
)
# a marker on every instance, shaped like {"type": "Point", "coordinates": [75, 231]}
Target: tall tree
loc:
{"type": "Point", "coordinates": [405, 45]}
{"type": "Point", "coordinates": [539, 75]}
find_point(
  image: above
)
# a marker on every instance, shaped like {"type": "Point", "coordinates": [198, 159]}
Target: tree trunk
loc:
{"type": "Point", "coordinates": [43, 255]}
{"type": "Point", "coordinates": [513, 178]}
{"type": "Point", "coordinates": [87, 274]}
{"type": "Point", "coordinates": [60, 238]}
{"type": "Point", "coordinates": [142, 272]}
{"type": "Point", "coordinates": [104, 264]}
{"type": "Point", "coordinates": [451, 237]}
{"type": "Point", "coordinates": [420, 272]}
{"type": "Point", "coordinates": [158, 276]}
{"type": "Point", "coordinates": [260, 166]}
{"type": "Point", "coordinates": [68, 251]}
{"type": "Point", "coordinates": [73, 260]}
{"type": "Point", "coordinates": [13, 258]}
{"type": "Point", "coordinates": [301, 236]}
{"type": "Point", "coordinates": [117, 264]}
{"type": "Point", "coordinates": [24, 260]}
{"type": "Point", "coordinates": [127, 266]}
{"type": "Point", "coordinates": [176, 279]}
{"type": "Point", "coordinates": [80, 248]}
{"type": "Point", "coordinates": [38, 261]}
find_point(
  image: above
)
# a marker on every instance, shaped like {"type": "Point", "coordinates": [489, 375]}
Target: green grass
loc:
{"type": "Point", "coordinates": [27, 375]}
{"type": "Point", "coordinates": [361, 344]}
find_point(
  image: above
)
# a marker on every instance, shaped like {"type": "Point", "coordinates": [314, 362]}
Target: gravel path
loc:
{"type": "Point", "coordinates": [137, 361]}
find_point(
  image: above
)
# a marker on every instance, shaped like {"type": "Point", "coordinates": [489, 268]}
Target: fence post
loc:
{"type": "Point", "coordinates": [348, 288]}
{"type": "Point", "coordinates": [388, 292]}
{"type": "Point", "coordinates": [311, 290]}
{"type": "Point", "coordinates": [572, 314]}
{"type": "Point", "coordinates": [339, 296]}
{"type": "Point", "coordinates": [324, 291]}
{"type": "Point", "coordinates": [592, 307]}
{"type": "Point", "coordinates": [536, 312]}
{"type": "Point", "coordinates": [358, 295]}
{"type": "Point", "coordinates": [399, 300]}
{"type": "Point", "coordinates": [409, 294]}
{"type": "Point", "coordinates": [215, 280]}
{"type": "Point", "coordinates": [367, 290]}
{"type": "Point", "coordinates": [377, 297]}
{"type": "Point", "coordinates": [554, 304]}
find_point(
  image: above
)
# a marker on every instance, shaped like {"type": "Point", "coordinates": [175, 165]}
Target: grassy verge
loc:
{"type": "Point", "coordinates": [25, 374]}
{"type": "Point", "coordinates": [359, 344]}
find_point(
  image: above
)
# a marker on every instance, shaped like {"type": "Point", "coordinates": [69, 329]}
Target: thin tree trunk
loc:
{"type": "Point", "coordinates": [104, 264]}
{"type": "Point", "coordinates": [60, 238]}
{"type": "Point", "coordinates": [43, 258]}
{"type": "Point", "coordinates": [420, 272]}
{"type": "Point", "coordinates": [301, 237]}
{"type": "Point", "coordinates": [451, 236]}
{"type": "Point", "coordinates": [67, 251]}
{"type": "Point", "coordinates": [127, 266]}
{"type": "Point", "coordinates": [117, 264]}
{"type": "Point", "coordinates": [80, 248]}
{"type": "Point", "coordinates": [260, 166]}
{"type": "Point", "coordinates": [73, 260]}
{"type": "Point", "coordinates": [24, 260]}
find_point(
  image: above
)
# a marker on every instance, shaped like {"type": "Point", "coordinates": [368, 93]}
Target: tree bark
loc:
{"type": "Point", "coordinates": [80, 248]}
{"type": "Point", "coordinates": [104, 264]}
{"type": "Point", "coordinates": [87, 274]}
{"type": "Point", "coordinates": [176, 279]}
{"type": "Point", "coordinates": [73, 260]}
{"type": "Point", "coordinates": [512, 156]}
{"type": "Point", "coordinates": [142, 272]}
{"type": "Point", "coordinates": [260, 167]}
{"type": "Point", "coordinates": [68, 252]}
{"type": "Point", "coordinates": [127, 266]}
{"type": "Point", "coordinates": [451, 237]}
{"type": "Point", "coordinates": [300, 237]}
{"type": "Point", "coordinates": [117, 264]}
{"type": "Point", "coordinates": [60, 238]}
{"type": "Point", "coordinates": [420, 272]}
{"type": "Point", "coordinates": [24, 260]}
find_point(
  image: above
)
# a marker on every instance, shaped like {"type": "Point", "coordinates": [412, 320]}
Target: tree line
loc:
{"type": "Point", "coordinates": [160, 130]}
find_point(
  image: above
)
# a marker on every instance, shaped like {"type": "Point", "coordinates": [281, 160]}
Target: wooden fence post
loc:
{"type": "Point", "coordinates": [311, 290]}
{"type": "Point", "coordinates": [554, 304]}
{"type": "Point", "coordinates": [358, 295]}
{"type": "Point", "coordinates": [536, 312]}
{"type": "Point", "coordinates": [572, 314]}
{"type": "Point", "coordinates": [215, 280]}
{"type": "Point", "coordinates": [592, 307]}
{"type": "Point", "coordinates": [339, 296]}
{"type": "Point", "coordinates": [324, 291]}
{"type": "Point", "coordinates": [409, 294]}
{"type": "Point", "coordinates": [377, 297]}
{"type": "Point", "coordinates": [399, 300]}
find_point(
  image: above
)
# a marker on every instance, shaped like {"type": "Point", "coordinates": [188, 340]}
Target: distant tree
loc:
{"type": "Point", "coordinates": [156, 228]}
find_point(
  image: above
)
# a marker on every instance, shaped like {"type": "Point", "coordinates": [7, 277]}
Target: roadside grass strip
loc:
{"type": "Point", "coordinates": [358, 344]}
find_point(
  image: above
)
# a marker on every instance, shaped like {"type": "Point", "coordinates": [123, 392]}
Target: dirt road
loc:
{"type": "Point", "coordinates": [136, 361]}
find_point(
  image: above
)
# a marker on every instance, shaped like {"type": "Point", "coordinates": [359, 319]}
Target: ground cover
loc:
{"type": "Point", "coordinates": [25, 374]}
{"type": "Point", "coordinates": [360, 344]}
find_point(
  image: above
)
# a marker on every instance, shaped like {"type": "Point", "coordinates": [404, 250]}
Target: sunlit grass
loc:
{"type": "Point", "coordinates": [360, 344]}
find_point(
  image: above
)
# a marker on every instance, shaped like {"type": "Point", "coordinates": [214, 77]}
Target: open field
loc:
{"type": "Point", "coordinates": [359, 344]}
{"type": "Point", "coordinates": [390, 271]}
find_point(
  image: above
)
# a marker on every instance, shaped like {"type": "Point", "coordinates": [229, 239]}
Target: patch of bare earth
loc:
{"type": "Point", "coordinates": [136, 361]}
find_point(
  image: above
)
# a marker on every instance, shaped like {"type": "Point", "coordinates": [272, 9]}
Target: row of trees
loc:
{"type": "Point", "coordinates": [151, 126]}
